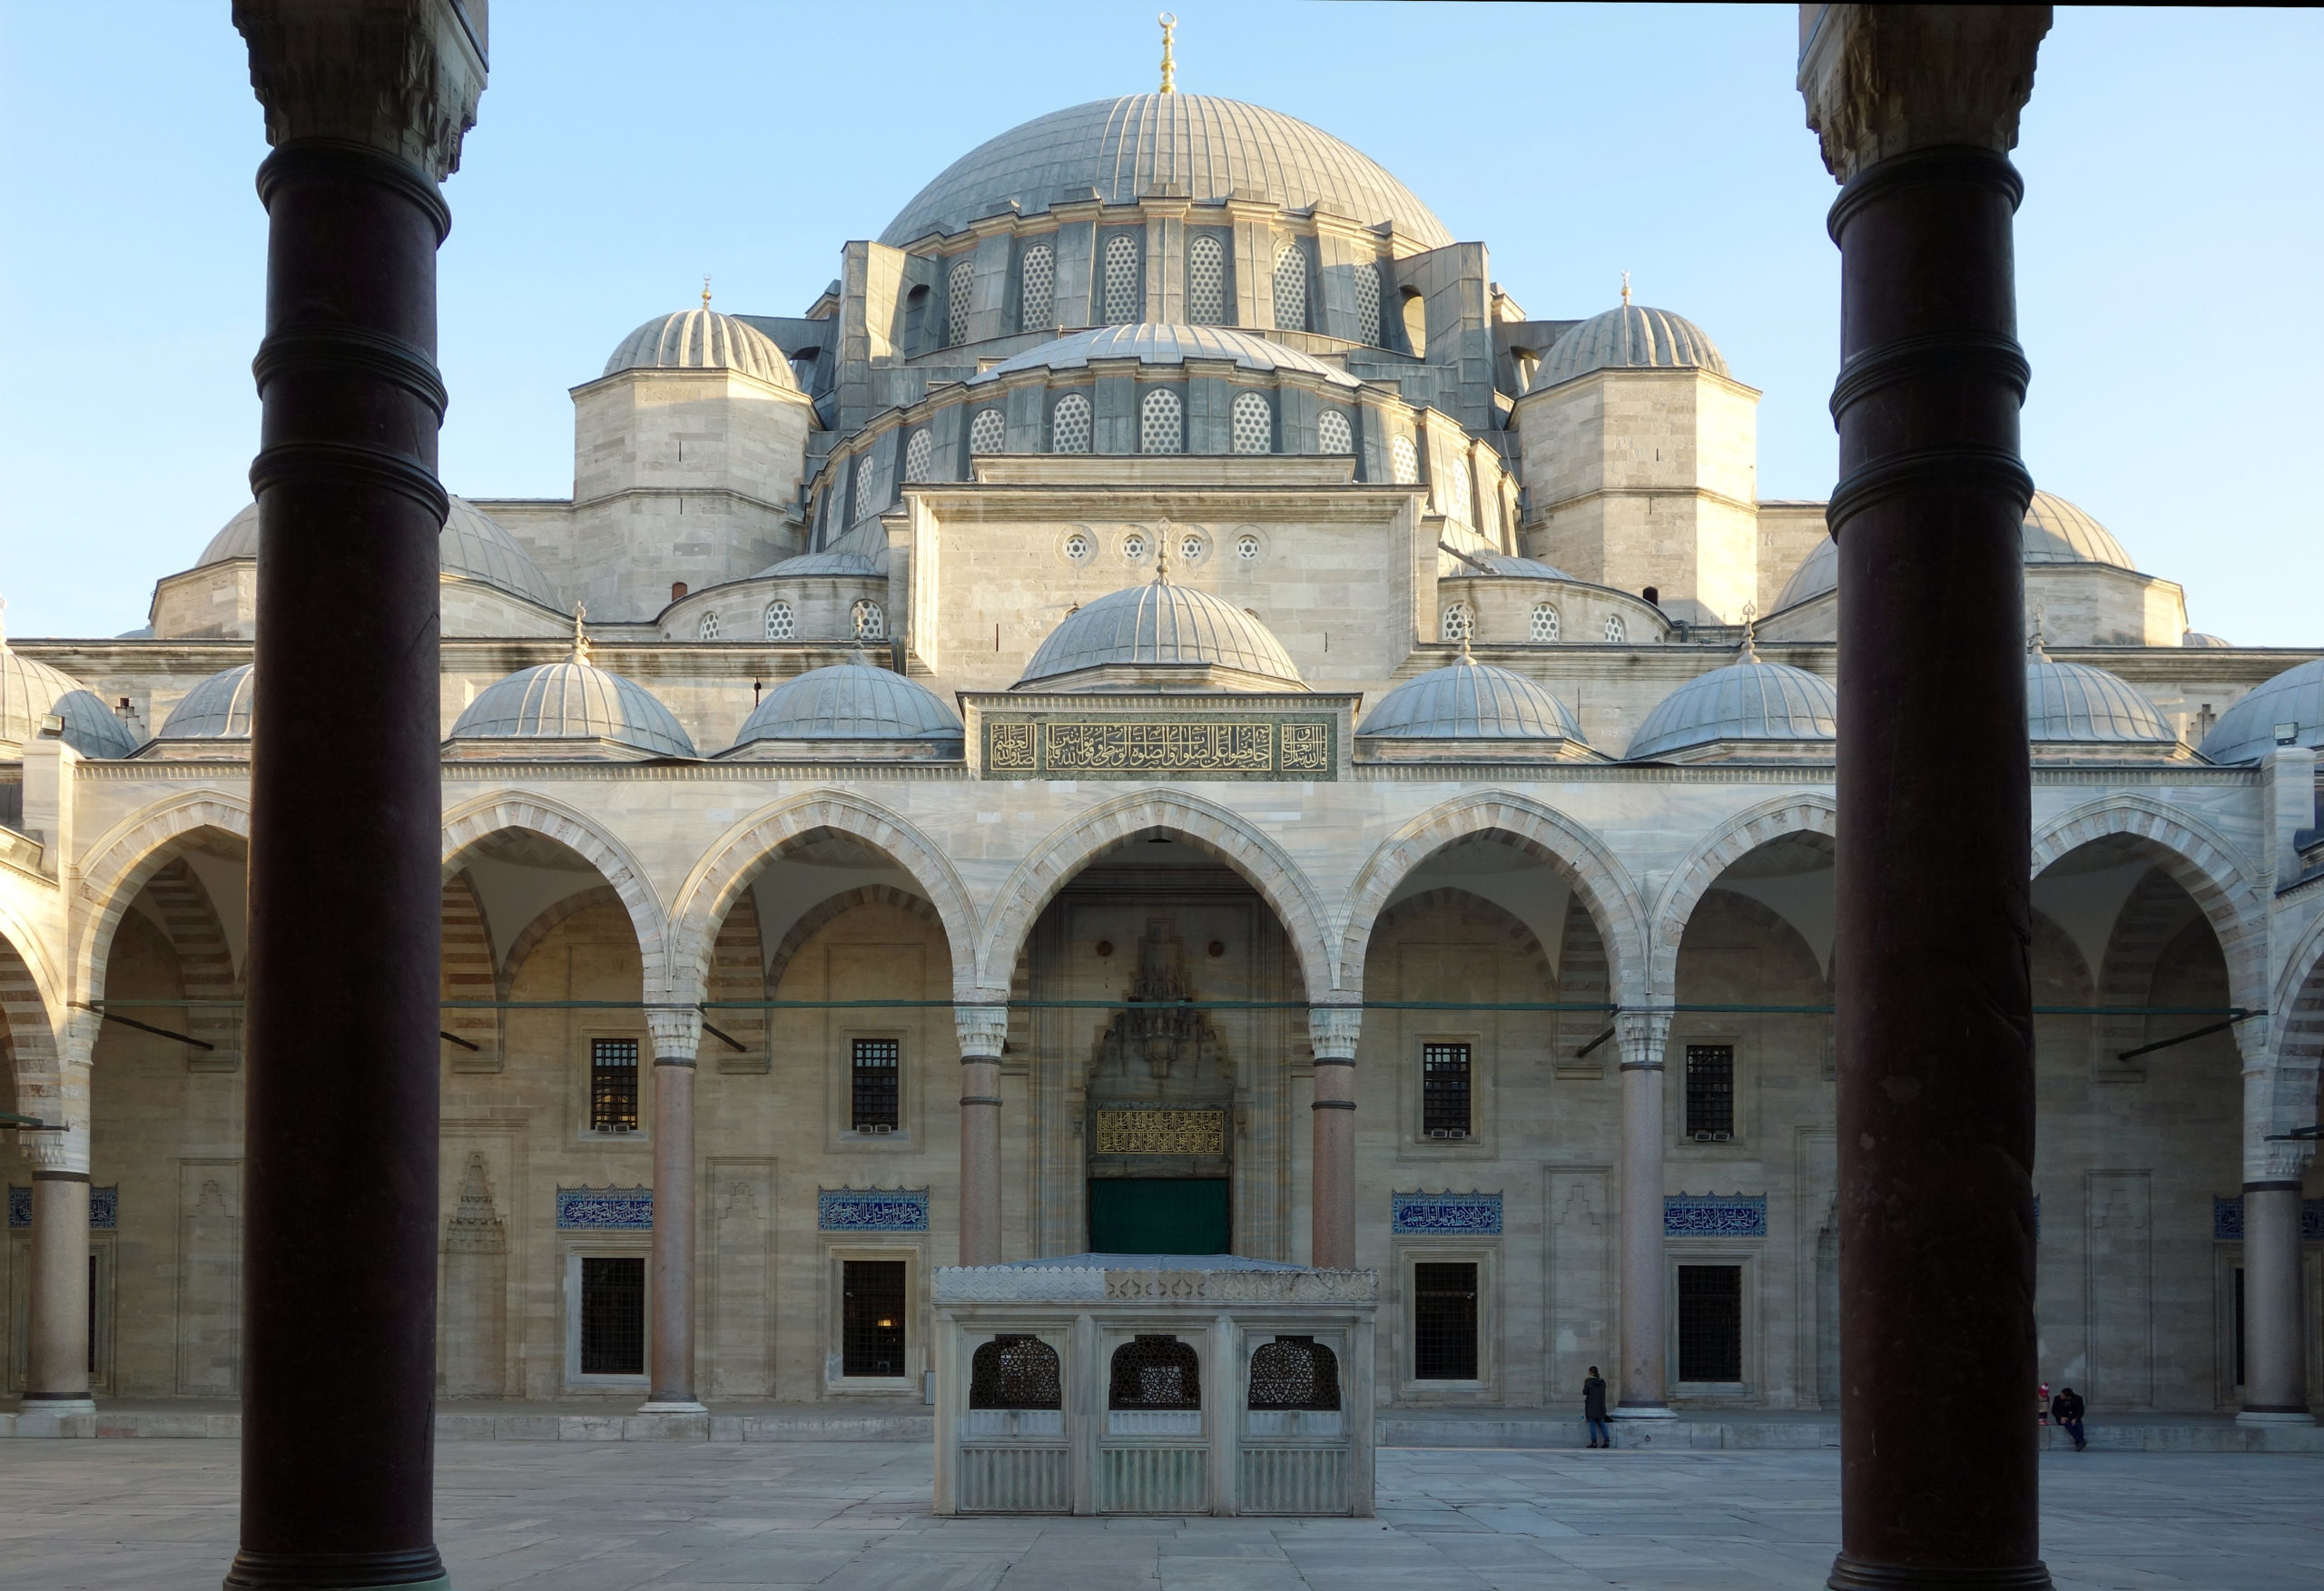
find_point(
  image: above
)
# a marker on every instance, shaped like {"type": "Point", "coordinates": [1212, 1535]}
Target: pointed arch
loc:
{"type": "Point", "coordinates": [2297, 1042]}
{"type": "Point", "coordinates": [31, 1031]}
{"type": "Point", "coordinates": [1716, 851]}
{"type": "Point", "coordinates": [551, 918]}
{"type": "Point", "coordinates": [205, 968]}
{"type": "Point", "coordinates": [467, 971]}
{"type": "Point", "coordinates": [470, 824]}
{"type": "Point", "coordinates": [821, 914]}
{"type": "Point", "coordinates": [1487, 913]}
{"type": "Point", "coordinates": [128, 856]}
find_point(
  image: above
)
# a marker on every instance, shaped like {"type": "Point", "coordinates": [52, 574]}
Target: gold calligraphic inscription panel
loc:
{"type": "Point", "coordinates": [1161, 1132]}
{"type": "Point", "coordinates": [1303, 747]}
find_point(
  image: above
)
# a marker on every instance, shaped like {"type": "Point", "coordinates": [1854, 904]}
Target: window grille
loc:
{"type": "Point", "coordinates": [1333, 433]}
{"type": "Point", "coordinates": [1368, 304]}
{"type": "Point", "coordinates": [780, 625]}
{"type": "Point", "coordinates": [958, 289]}
{"type": "Point", "coordinates": [874, 1090]}
{"type": "Point", "coordinates": [612, 1085]}
{"type": "Point", "coordinates": [1247, 547]}
{"type": "Point", "coordinates": [1122, 279]}
{"type": "Point", "coordinates": [1615, 629]}
{"type": "Point", "coordinates": [1134, 547]}
{"type": "Point", "coordinates": [1291, 288]}
{"type": "Point", "coordinates": [1460, 623]}
{"type": "Point", "coordinates": [1155, 1372]}
{"type": "Point", "coordinates": [1445, 1322]}
{"type": "Point", "coordinates": [1454, 481]}
{"type": "Point", "coordinates": [613, 1315]}
{"type": "Point", "coordinates": [987, 431]}
{"type": "Point", "coordinates": [1295, 1372]}
{"type": "Point", "coordinates": [1036, 278]}
{"type": "Point", "coordinates": [1710, 1322]}
{"type": "Point", "coordinates": [917, 454]}
{"type": "Point", "coordinates": [872, 1318]}
{"type": "Point", "coordinates": [1710, 1092]}
{"type": "Point", "coordinates": [1191, 547]}
{"type": "Point", "coordinates": [1015, 1373]}
{"type": "Point", "coordinates": [709, 626]}
{"type": "Point", "coordinates": [1545, 622]}
{"type": "Point", "coordinates": [1158, 429]}
{"type": "Point", "coordinates": [867, 620]}
{"type": "Point", "coordinates": [1445, 1090]}
{"type": "Point", "coordinates": [1206, 281]}
{"type": "Point", "coordinates": [1252, 426]}
{"type": "Point", "coordinates": [867, 495]}
{"type": "Point", "coordinates": [1069, 425]}
{"type": "Point", "coordinates": [1076, 547]}
{"type": "Point", "coordinates": [1403, 461]}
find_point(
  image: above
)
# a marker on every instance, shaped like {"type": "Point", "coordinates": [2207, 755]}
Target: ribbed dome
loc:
{"type": "Point", "coordinates": [1749, 700]}
{"type": "Point", "coordinates": [29, 691]}
{"type": "Point", "coordinates": [1208, 148]}
{"type": "Point", "coordinates": [1629, 337]}
{"type": "Point", "coordinates": [2056, 532]}
{"type": "Point", "coordinates": [702, 339]}
{"type": "Point", "coordinates": [852, 701]}
{"type": "Point", "coordinates": [1471, 701]}
{"type": "Point", "coordinates": [572, 701]}
{"type": "Point", "coordinates": [2197, 638]}
{"type": "Point", "coordinates": [1160, 624]}
{"type": "Point", "coordinates": [2070, 702]}
{"type": "Point", "coordinates": [471, 545]}
{"type": "Point", "coordinates": [90, 727]}
{"type": "Point", "coordinates": [221, 708]}
{"type": "Point", "coordinates": [2247, 729]}
{"type": "Point", "coordinates": [1154, 344]}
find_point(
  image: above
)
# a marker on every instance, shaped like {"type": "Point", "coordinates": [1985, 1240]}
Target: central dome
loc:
{"type": "Point", "coordinates": [1164, 344]}
{"type": "Point", "coordinates": [1161, 625]}
{"type": "Point", "coordinates": [1192, 144]}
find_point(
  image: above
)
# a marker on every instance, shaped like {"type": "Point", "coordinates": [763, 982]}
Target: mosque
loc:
{"type": "Point", "coordinates": [1337, 768]}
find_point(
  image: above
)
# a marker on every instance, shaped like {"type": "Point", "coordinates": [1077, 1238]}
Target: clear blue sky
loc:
{"type": "Point", "coordinates": [2167, 248]}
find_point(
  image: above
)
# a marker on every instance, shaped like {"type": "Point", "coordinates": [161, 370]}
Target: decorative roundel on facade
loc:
{"type": "Point", "coordinates": [1078, 546]}
{"type": "Point", "coordinates": [1218, 948]}
{"type": "Point", "coordinates": [1136, 546]}
{"type": "Point", "coordinates": [1105, 946]}
{"type": "Point", "coordinates": [1247, 547]}
{"type": "Point", "coordinates": [1188, 545]}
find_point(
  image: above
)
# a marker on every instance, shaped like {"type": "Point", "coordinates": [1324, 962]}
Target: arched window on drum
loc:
{"type": "Point", "coordinates": [1161, 422]}
{"type": "Point", "coordinates": [918, 453]}
{"type": "Point", "coordinates": [960, 290]}
{"type": "Point", "coordinates": [867, 619]}
{"type": "Point", "coordinates": [987, 431]}
{"type": "Point", "coordinates": [1543, 628]}
{"type": "Point", "coordinates": [1368, 304]}
{"type": "Point", "coordinates": [1459, 623]}
{"type": "Point", "coordinates": [1069, 425]}
{"type": "Point", "coordinates": [781, 624]}
{"type": "Point", "coordinates": [1035, 284]}
{"type": "Point", "coordinates": [1333, 433]}
{"type": "Point", "coordinates": [1206, 281]}
{"type": "Point", "coordinates": [1291, 288]}
{"type": "Point", "coordinates": [1403, 461]}
{"type": "Point", "coordinates": [1251, 424]}
{"type": "Point", "coordinates": [1121, 303]}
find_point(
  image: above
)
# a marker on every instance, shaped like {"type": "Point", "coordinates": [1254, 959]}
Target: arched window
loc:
{"type": "Point", "coordinates": [1333, 433]}
{"type": "Point", "coordinates": [1154, 1372]}
{"type": "Point", "coordinates": [917, 453]}
{"type": "Point", "coordinates": [1251, 424]}
{"type": "Point", "coordinates": [1035, 281]}
{"type": "Point", "coordinates": [1291, 288]}
{"type": "Point", "coordinates": [1247, 547]}
{"type": "Point", "coordinates": [1293, 1372]}
{"type": "Point", "coordinates": [987, 431]}
{"type": "Point", "coordinates": [1069, 425]}
{"type": "Point", "coordinates": [1403, 460]}
{"type": "Point", "coordinates": [1016, 1372]}
{"type": "Point", "coordinates": [1158, 426]}
{"type": "Point", "coordinates": [1368, 304]}
{"type": "Point", "coordinates": [1460, 623]}
{"type": "Point", "coordinates": [1615, 629]}
{"type": "Point", "coordinates": [1415, 309]}
{"type": "Point", "coordinates": [869, 623]}
{"type": "Point", "coordinates": [866, 482]}
{"type": "Point", "coordinates": [1121, 304]}
{"type": "Point", "coordinates": [1545, 622]}
{"type": "Point", "coordinates": [781, 626]}
{"type": "Point", "coordinates": [1206, 281]}
{"type": "Point", "coordinates": [708, 629]}
{"type": "Point", "coordinates": [1453, 490]}
{"type": "Point", "coordinates": [958, 289]}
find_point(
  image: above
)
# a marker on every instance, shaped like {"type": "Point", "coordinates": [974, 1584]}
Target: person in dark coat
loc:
{"type": "Point", "coordinates": [1593, 1409]}
{"type": "Point", "coordinates": [2066, 1409]}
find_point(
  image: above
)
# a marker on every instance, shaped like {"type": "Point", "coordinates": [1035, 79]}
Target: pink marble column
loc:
{"type": "Point", "coordinates": [57, 1378]}
{"type": "Point", "coordinates": [2275, 1337]}
{"type": "Point", "coordinates": [1643, 1036]}
{"type": "Point", "coordinates": [676, 1036]}
{"type": "Point", "coordinates": [1332, 1032]}
{"type": "Point", "coordinates": [983, 1029]}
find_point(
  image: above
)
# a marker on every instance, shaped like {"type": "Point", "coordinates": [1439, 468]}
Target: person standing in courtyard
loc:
{"type": "Point", "coordinates": [1593, 1409]}
{"type": "Point", "coordinates": [2066, 1408]}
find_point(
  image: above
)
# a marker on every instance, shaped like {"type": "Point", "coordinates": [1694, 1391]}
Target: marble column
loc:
{"type": "Point", "coordinates": [56, 1360]}
{"type": "Point", "coordinates": [365, 105]}
{"type": "Point", "coordinates": [2275, 1337]}
{"type": "Point", "coordinates": [1332, 1032]}
{"type": "Point", "coordinates": [1643, 1036]}
{"type": "Point", "coordinates": [983, 1030]}
{"type": "Point", "coordinates": [676, 1036]}
{"type": "Point", "coordinates": [1916, 106]}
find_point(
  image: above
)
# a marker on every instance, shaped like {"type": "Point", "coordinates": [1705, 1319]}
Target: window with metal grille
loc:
{"type": "Point", "coordinates": [1403, 461]}
{"type": "Point", "coordinates": [874, 1085]}
{"type": "Point", "coordinates": [1069, 425]}
{"type": "Point", "coordinates": [612, 1085]}
{"type": "Point", "coordinates": [1122, 279]}
{"type": "Point", "coordinates": [1159, 427]}
{"type": "Point", "coordinates": [1615, 629]}
{"type": "Point", "coordinates": [1445, 1090]}
{"type": "Point", "coordinates": [1251, 425]}
{"type": "Point", "coordinates": [869, 623]}
{"type": "Point", "coordinates": [1710, 1322]}
{"type": "Point", "coordinates": [1710, 1091]}
{"type": "Point", "coordinates": [1077, 547]}
{"type": "Point", "coordinates": [1134, 547]}
{"type": "Point", "coordinates": [1460, 623]}
{"type": "Point", "coordinates": [780, 624]}
{"type": "Point", "coordinates": [1368, 304]}
{"type": "Point", "coordinates": [1545, 622]}
{"type": "Point", "coordinates": [1291, 288]}
{"type": "Point", "coordinates": [987, 431]}
{"type": "Point", "coordinates": [1445, 1322]}
{"type": "Point", "coordinates": [1247, 548]}
{"type": "Point", "coordinates": [1035, 277]}
{"type": "Point", "coordinates": [613, 1315]}
{"type": "Point", "coordinates": [960, 288]}
{"type": "Point", "coordinates": [917, 454]}
{"type": "Point", "coordinates": [1015, 1373]}
{"type": "Point", "coordinates": [1453, 484]}
{"type": "Point", "coordinates": [867, 487]}
{"type": "Point", "coordinates": [1206, 281]}
{"type": "Point", "coordinates": [872, 1318]}
{"type": "Point", "coordinates": [709, 627]}
{"type": "Point", "coordinates": [1333, 433]}
{"type": "Point", "coordinates": [1295, 1372]}
{"type": "Point", "coordinates": [1191, 547]}
{"type": "Point", "coordinates": [1154, 1372]}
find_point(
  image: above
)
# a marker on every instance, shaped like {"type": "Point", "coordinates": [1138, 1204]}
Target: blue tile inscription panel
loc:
{"type": "Point", "coordinates": [104, 1209]}
{"type": "Point", "coordinates": [2227, 1219]}
{"type": "Point", "coordinates": [1712, 1216]}
{"type": "Point", "coordinates": [605, 1209]}
{"type": "Point", "coordinates": [1471, 1214]}
{"type": "Point", "coordinates": [872, 1209]}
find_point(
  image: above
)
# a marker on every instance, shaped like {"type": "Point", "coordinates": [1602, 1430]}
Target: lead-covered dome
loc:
{"type": "Point", "coordinates": [2055, 532]}
{"type": "Point", "coordinates": [1163, 626]}
{"type": "Point", "coordinates": [575, 702]}
{"type": "Point", "coordinates": [701, 340]}
{"type": "Point", "coordinates": [29, 692]}
{"type": "Point", "coordinates": [2072, 703]}
{"type": "Point", "coordinates": [1197, 145]}
{"type": "Point", "coordinates": [1471, 700]}
{"type": "Point", "coordinates": [1154, 344]}
{"type": "Point", "coordinates": [90, 727]}
{"type": "Point", "coordinates": [472, 545]}
{"type": "Point", "coordinates": [221, 708]}
{"type": "Point", "coordinates": [1629, 337]}
{"type": "Point", "coordinates": [1750, 699]}
{"type": "Point", "coordinates": [852, 701]}
{"type": "Point", "coordinates": [2247, 729]}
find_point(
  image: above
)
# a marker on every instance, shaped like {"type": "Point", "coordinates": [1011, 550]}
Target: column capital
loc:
{"type": "Point", "coordinates": [399, 76]}
{"type": "Point", "coordinates": [2284, 1162]}
{"type": "Point", "coordinates": [1884, 80]}
{"type": "Point", "coordinates": [1644, 1035]}
{"type": "Point", "coordinates": [1332, 1030]}
{"type": "Point", "coordinates": [983, 1031]}
{"type": "Point", "coordinates": [2252, 1039]}
{"type": "Point", "coordinates": [677, 1035]}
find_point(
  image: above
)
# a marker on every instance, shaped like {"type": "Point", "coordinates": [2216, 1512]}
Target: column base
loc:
{"type": "Point", "coordinates": [659, 1406]}
{"type": "Point", "coordinates": [1855, 1575]}
{"type": "Point", "coordinates": [416, 1570]}
{"type": "Point", "coordinates": [1644, 1411]}
{"type": "Point", "coordinates": [2274, 1417]}
{"type": "Point", "coordinates": [59, 1403]}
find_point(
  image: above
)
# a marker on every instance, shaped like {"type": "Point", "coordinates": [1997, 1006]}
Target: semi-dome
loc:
{"type": "Point", "coordinates": [1629, 337]}
{"type": "Point", "coordinates": [221, 708]}
{"type": "Point", "coordinates": [1153, 344]}
{"type": "Point", "coordinates": [2247, 729]}
{"type": "Point", "coordinates": [2072, 703]}
{"type": "Point", "coordinates": [573, 701]}
{"type": "Point", "coordinates": [1749, 700]}
{"type": "Point", "coordinates": [2055, 532]}
{"type": "Point", "coordinates": [830, 562]}
{"type": "Point", "coordinates": [1161, 625]}
{"type": "Point", "coordinates": [1507, 567]}
{"type": "Point", "coordinates": [91, 728]}
{"type": "Point", "coordinates": [472, 545]}
{"type": "Point", "coordinates": [701, 340]}
{"type": "Point", "coordinates": [852, 701]}
{"type": "Point", "coordinates": [29, 691]}
{"type": "Point", "coordinates": [1197, 145]}
{"type": "Point", "coordinates": [1471, 700]}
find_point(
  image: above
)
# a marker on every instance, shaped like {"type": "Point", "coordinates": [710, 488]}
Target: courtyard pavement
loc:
{"type": "Point", "coordinates": [136, 1515]}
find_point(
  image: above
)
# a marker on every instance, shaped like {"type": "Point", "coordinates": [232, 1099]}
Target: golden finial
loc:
{"type": "Point", "coordinates": [1626, 289]}
{"type": "Point", "coordinates": [580, 636]}
{"type": "Point", "coordinates": [1169, 65]}
{"type": "Point", "coordinates": [1750, 632]}
{"type": "Point", "coordinates": [2033, 639]}
{"type": "Point", "coordinates": [705, 293]}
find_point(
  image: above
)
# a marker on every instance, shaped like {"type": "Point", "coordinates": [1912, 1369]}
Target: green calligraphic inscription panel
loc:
{"type": "Point", "coordinates": [1273, 747]}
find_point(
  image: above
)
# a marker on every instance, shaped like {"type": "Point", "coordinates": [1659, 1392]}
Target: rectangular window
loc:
{"type": "Point", "coordinates": [872, 1318]}
{"type": "Point", "coordinates": [1445, 1322]}
{"type": "Point", "coordinates": [874, 1085]}
{"type": "Point", "coordinates": [1445, 1090]}
{"type": "Point", "coordinates": [1710, 1322]}
{"type": "Point", "coordinates": [612, 1085]}
{"type": "Point", "coordinates": [1710, 1092]}
{"type": "Point", "coordinates": [613, 1315]}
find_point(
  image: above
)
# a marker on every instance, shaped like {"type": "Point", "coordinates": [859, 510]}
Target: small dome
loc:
{"type": "Point", "coordinates": [572, 701]}
{"type": "Point", "coordinates": [2070, 702]}
{"type": "Point", "coordinates": [90, 727]}
{"type": "Point", "coordinates": [1818, 573]}
{"type": "Point", "coordinates": [2056, 532]}
{"type": "Point", "coordinates": [1153, 344]}
{"type": "Point", "coordinates": [702, 339]}
{"type": "Point", "coordinates": [29, 692]}
{"type": "Point", "coordinates": [1160, 625]}
{"type": "Point", "coordinates": [2197, 638]}
{"type": "Point", "coordinates": [1471, 701]}
{"type": "Point", "coordinates": [221, 708]}
{"type": "Point", "coordinates": [852, 701]}
{"type": "Point", "coordinates": [1749, 700]}
{"type": "Point", "coordinates": [1629, 337]}
{"type": "Point", "coordinates": [472, 545]}
{"type": "Point", "coordinates": [2245, 732]}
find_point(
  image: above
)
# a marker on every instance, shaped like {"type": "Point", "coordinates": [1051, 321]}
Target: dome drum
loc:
{"type": "Point", "coordinates": [1526, 609]}
{"type": "Point", "coordinates": [779, 609]}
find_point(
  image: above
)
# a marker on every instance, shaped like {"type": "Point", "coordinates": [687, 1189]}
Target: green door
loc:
{"type": "Point", "coordinates": [1159, 1215]}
